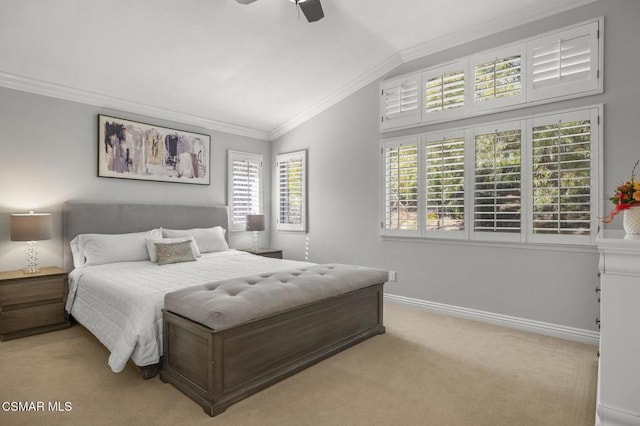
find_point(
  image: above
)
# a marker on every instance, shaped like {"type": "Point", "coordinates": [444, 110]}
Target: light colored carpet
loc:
{"type": "Point", "coordinates": [427, 369]}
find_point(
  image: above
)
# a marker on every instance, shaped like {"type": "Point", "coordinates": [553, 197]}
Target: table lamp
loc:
{"type": "Point", "coordinates": [31, 227]}
{"type": "Point", "coordinates": [255, 223]}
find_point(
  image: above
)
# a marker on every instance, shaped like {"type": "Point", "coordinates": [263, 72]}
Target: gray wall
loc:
{"type": "Point", "coordinates": [48, 155]}
{"type": "Point", "coordinates": [48, 151]}
{"type": "Point", "coordinates": [545, 284]}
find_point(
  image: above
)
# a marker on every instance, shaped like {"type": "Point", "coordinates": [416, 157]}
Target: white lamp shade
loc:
{"type": "Point", "coordinates": [255, 222]}
{"type": "Point", "coordinates": [30, 226]}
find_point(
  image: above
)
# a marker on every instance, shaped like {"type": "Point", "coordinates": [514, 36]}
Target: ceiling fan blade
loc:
{"type": "Point", "coordinates": [312, 10]}
{"type": "Point", "coordinates": [245, 1]}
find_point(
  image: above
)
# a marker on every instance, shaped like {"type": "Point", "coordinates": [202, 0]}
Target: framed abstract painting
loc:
{"type": "Point", "coordinates": [132, 150]}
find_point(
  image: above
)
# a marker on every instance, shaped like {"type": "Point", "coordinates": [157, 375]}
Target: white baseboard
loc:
{"type": "Point", "coordinates": [607, 416]}
{"type": "Point", "coordinates": [548, 329]}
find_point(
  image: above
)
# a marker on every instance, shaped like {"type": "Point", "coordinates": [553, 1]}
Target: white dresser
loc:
{"type": "Point", "coordinates": [618, 400]}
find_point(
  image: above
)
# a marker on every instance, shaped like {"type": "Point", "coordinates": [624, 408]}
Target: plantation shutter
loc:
{"type": "Point", "coordinates": [561, 175]}
{"type": "Point", "coordinates": [444, 182]}
{"type": "Point", "coordinates": [291, 191]}
{"type": "Point", "coordinates": [444, 90]}
{"type": "Point", "coordinates": [498, 78]}
{"type": "Point", "coordinates": [497, 181]}
{"type": "Point", "coordinates": [245, 191]}
{"type": "Point", "coordinates": [401, 184]}
{"type": "Point", "coordinates": [564, 63]}
{"type": "Point", "coordinates": [400, 102]}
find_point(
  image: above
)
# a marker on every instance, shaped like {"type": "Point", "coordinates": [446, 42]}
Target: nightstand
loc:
{"type": "Point", "coordinates": [265, 252]}
{"type": "Point", "coordinates": [32, 303]}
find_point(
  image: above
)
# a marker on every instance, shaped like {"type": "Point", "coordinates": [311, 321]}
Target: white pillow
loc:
{"type": "Point", "coordinates": [98, 249]}
{"type": "Point", "coordinates": [153, 252]}
{"type": "Point", "coordinates": [207, 239]}
{"type": "Point", "coordinates": [78, 258]}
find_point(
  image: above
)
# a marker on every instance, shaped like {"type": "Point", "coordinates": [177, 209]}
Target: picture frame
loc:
{"type": "Point", "coordinates": [133, 150]}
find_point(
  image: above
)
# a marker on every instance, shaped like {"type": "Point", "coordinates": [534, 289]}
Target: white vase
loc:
{"type": "Point", "coordinates": [631, 220]}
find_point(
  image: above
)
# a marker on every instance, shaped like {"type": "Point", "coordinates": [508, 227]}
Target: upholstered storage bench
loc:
{"type": "Point", "coordinates": [227, 340]}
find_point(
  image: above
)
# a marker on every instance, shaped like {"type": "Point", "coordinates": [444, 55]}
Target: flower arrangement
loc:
{"type": "Point", "coordinates": [626, 196]}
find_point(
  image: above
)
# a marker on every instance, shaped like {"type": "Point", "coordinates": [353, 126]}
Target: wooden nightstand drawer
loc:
{"type": "Point", "coordinates": [36, 289]}
{"type": "Point", "coordinates": [265, 252]}
{"type": "Point", "coordinates": [32, 317]}
{"type": "Point", "coordinates": [32, 303]}
{"type": "Point", "coordinates": [276, 254]}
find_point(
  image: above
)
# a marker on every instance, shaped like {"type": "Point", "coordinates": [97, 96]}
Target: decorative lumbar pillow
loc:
{"type": "Point", "coordinates": [207, 239]}
{"type": "Point", "coordinates": [174, 252]}
{"type": "Point", "coordinates": [98, 249]}
{"type": "Point", "coordinates": [153, 253]}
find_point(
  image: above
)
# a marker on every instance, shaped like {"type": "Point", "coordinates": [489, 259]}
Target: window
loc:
{"type": "Point", "coordinates": [565, 63]}
{"type": "Point", "coordinates": [292, 192]}
{"type": "Point", "coordinates": [563, 182]}
{"type": "Point", "coordinates": [400, 102]}
{"type": "Point", "coordinates": [245, 187]}
{"type": "Point", "coordinates": [401, 185]}
{"type": "Point", "coordinates": [497, 193]}
{"type": "Point", "coordinates": [497, 78]}
{"type": "Point", "coordinates": [559, 65]}
{"type": "Point", "coordinates": [443, 90]}
{"type": "Point", "coordinates": [444, 182]}
{"type": "Point", "coordinates": [530, 180]}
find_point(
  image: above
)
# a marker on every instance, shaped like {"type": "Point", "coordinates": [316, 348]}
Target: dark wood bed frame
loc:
{"type": "Point", "coordinates": [219, 368]}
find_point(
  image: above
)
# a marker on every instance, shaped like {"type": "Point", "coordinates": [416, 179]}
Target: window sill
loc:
{"type": "Point", "coordinates": [493, 244]}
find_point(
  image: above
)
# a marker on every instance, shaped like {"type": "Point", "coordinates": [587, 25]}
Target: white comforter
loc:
{"type": "Point", "coordinates": [121, 303]}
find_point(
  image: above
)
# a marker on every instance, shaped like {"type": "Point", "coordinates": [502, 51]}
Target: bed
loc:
{"type": "Point", "coordinates": [122, 302]}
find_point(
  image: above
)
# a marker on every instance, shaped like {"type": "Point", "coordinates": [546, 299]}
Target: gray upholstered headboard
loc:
{"type": "Point", "coordinates": [102, 218]}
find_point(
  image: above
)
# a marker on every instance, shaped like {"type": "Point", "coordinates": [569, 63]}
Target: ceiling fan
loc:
{"type": "Point", "coordinates": [312, 9]}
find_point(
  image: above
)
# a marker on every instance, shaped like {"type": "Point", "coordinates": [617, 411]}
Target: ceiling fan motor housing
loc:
{"type": "Point", "coordinates": [312, 9]}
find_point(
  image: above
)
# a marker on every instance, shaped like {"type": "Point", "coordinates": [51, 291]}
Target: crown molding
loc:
{"type": "Point", "coordinates": [356, 84]}
{"type": "Point", "coordinates": [45, 88]}
{"type": "Point", "coordinates": [485, 29]}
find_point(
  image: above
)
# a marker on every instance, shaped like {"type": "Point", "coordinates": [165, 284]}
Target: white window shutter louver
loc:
{"type": "Point", "coordinates": [401, 186]}
{"type": "Point", "coordinates": [245, 189]}
{"type": "Point", "coordinates": [564, 63]}
{"type": "Point", "coordinates": [498, 180]}
{"type": "Point", "coordinates": [562, 165]}
{"type": "Point", "coordinates": [291, 172]}
{"type": "Point", "coordinates": [444, 191]}
{"type": "Point", "coordinates": [400, 102]}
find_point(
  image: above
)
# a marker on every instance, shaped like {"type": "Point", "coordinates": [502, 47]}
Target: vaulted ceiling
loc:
{"type": "Point", "coordinates": [256, 70]}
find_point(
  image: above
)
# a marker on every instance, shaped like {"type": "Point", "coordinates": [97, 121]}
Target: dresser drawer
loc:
{"type": "Point", "coordinates": [35, 289]}
{"type": "Point", "coordinates": [32, 317]}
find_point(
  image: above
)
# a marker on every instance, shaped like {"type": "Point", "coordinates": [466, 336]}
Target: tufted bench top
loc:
{"type": "Point", "coordinates": [224, 304]}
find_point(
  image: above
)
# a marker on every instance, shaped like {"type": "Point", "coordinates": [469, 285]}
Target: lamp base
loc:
{"type": "Point", "coordinates": [255, 242]}
{"type": "Point", "coordinates": [32, 258]}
